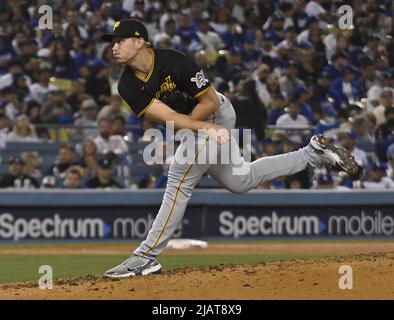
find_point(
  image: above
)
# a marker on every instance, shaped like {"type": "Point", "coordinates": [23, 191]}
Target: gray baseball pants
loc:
{"type": "Point", "coordinates": [183, 177]}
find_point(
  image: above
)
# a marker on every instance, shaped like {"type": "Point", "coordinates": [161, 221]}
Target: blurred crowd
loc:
{"type": "Point", "coordinates": [288, 67]}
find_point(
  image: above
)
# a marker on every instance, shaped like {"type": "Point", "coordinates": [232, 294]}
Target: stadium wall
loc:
{"type": "Point", "coordinates": [87, 215]}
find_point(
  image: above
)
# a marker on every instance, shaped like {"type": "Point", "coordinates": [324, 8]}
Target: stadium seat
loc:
{"type": "Point", "coordinates": [64, 84]}
{"type": "Point", "coordinates": [3, 168]}
{"type": "Point", "coordinates": [207, 182]}
{"type": "Point", "coordinates": [31, 146]}
{"type": "Point", "coordinates": [136, 146]}
{"type": "Point", "coordinates": [143, 169]}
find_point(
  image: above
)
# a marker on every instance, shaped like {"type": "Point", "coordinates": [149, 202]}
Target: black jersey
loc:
{"type": "Point", "coordinates": [170, 69]}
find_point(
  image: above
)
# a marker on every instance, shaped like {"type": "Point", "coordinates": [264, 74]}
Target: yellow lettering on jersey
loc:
{"type": "Point", "coordinates": [167, 85]}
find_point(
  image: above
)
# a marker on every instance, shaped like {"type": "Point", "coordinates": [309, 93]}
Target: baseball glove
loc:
{"type": "Point", "coordinates": [179, 101]}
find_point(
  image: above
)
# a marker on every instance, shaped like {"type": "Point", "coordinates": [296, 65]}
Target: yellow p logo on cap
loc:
{"type": "Point", "coordinates": [117, 23]}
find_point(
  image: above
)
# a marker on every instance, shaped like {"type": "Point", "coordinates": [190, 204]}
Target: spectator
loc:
{"type": "Point", "coordinates": [28, 48]}
{"type": "Point", "coordinates": [272, 88]}
{"type": "Point", "coordinates": [145, 126]}
{"type": "Point", "coordinates": [250, 54]}
{"type": "Point", "coordinates": [390, 161]}
{"type": "Point", "coordinates": [186, 29]}
{"type": "Point", "coordinates": [325, 181]}
{"type": "Point", "coordinates": [373, 96]}
{"type": "Point", "coordinates": [97, 84]}
{"type": "Point", "coordinates": [274, 27]}
{"type": "Point", "coordinates": [14, 67]}
{"type": "Point", "coordinates": [22, 131]}
{"type": "Point", "coordinates": [15, 178]}
{"type": "Point", "coordinates": [88, 157]}
{"type": "Point", "coordinates": [377, 179]}
{"type": "Point", "coordinates": [6, 51]}
{"type": "Point", "coordinates": [113, 109]}
{"type": "Point", "coordinates": [71, 32]}
{"type": "Point", "coordinates": [12, 104]}
{"type": "Point", "coordinates": [104, 178]}
{"type": "Point", "coordinates": [87, 124]}
{"type": "Point", "coordinates": [320, 89]}
{"type": "Point", "coordinates": [118, 125]}
{"type": "Point", "coordinates": [3, 129]}
{"type": "Point", "coordinates": [299, 180]}
{"type": "Point", "coordinates": [32, 164]}
{"type": "Point", "coordinates": [40, 89]}
{"type": "Point", "coordinates": [329, 124]}
{"type": "Point", "coordinates": [260, 77]}
{"type": "Point", "coordinates": [63, 65]}
{"type": "Point", "coordinates": [55, 109]}
{"type": "Point", "coordinates": [290, 39]}
{"type": "Point", "coordinates": [315, 9]}
{"type": "Point", "coordinates": [209, 39]}
{"type": "Point", "coordinates": [219, 20]}
{"type": "Point", "coordinates": [251, 112]}
{"type": "Point", "coordinates": [266, 45]}
{"type": "Point", "coordinates": [292, 120]}
{"type": "Point", "coordinates": [20, 86]}
{"type": "Point", "coordinates": [73, 20]}
{"type": "Point", "coordinates": [384, 136]}
{"type": "Point", "coordinates": [343, 89]}
{"type": "Point", "coordinates": [312, 25]}
{"type": "Point", "coordinates": [233, 38]}
{"type": "Point", "coordinates": [164, 42]}
{"type": "Point", "coordinates": [386, 101]}
{"type": "Point", "coordinates": [269, 147]}
{"type": "Point", "coordinates": [310, 63]}
{"type": "Point", "coordinates": [65, 160]}
{"type": "Point", "coordinates": [364, 134]}
{"type": "Point", "coordinates": [289, 80]}
{"type": "Point", "coordinates": [338, 61]}
{"type": "Point", "coordinates": [368, 77]}
{"type": "Point", "coordinates": [77, 95]}
{"type": "Point", "coordinates": [72, 180]}
{"type": "Point", "coordinates": [170, 33]}
{"type": "Point", "coordinates": [371, 49]}
{"type": "Point", "coordinates": [348, 141]}
{"type": "Point", "coordinates": [34, 115]}
{"type": "Point", "coordinates": [85, 58]}
{"type": "Point", "coordinates": [302, 95]}
{"type": "Point", "coordinates": [109, 143]}
{"type": "Point", "coordinates": [278, 104]}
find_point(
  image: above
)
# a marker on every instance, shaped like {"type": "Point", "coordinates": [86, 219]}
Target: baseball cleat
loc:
{"type": "Point", "coordinates": [134, 266]}
{"type": "Point", "coordinates": [332, 155]}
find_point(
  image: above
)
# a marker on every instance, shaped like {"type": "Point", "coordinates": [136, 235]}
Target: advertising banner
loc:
{"type": "Point", "coordinates": [230, 222]}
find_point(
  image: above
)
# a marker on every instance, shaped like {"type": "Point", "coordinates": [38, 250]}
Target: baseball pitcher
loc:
{"type": "Point", "coordinates": [166, 85]}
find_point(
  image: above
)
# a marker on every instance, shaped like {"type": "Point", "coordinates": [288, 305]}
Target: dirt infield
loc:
{"type": "Point", "coordinates": [372, 264]}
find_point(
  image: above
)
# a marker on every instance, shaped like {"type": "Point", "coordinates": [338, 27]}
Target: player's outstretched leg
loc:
{"type": "Point", "coordinates": [319, 153]}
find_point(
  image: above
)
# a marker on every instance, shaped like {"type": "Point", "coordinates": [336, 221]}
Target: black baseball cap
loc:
{"type": "Point", "coordinates": [105, 162]}
{"type": "Point", "coordinates": [126, 28]}
{"type": "Point", "coordinates": [17, 160]}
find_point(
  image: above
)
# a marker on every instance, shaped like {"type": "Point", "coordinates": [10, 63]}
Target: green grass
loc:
{"type": "Point", "coordinates": [231, 242]}
{"type": "Point", "coordinates": [16, 268]}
